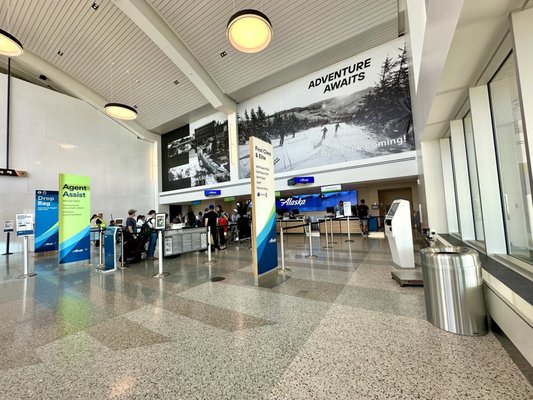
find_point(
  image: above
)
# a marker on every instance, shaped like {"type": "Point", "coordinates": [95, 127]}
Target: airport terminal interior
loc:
{"type": "Point", "coordinates": [266, 200]}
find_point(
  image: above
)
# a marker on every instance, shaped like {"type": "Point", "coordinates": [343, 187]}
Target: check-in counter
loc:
{"type": "Point", "coordinates": [340, 226]}
{"type": "Point", "coordinates": [179, 241]}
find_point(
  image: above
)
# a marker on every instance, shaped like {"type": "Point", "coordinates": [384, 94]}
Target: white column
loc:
{"type": "Point", "coordinates": [233, 141]}
{"type": "Point", "coordinates": [489, 186]}
{"type": "Point", "coordinates": [449, 186]}
{"type": "Point", "coordinates": [464, 202]}
{"type": "Point", "coordinates": [434, 186]}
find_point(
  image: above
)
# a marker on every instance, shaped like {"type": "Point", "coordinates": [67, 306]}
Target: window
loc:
{"type": "Point", "coordinates": [472, 174]}
{"type": "Point", "coordinates": [513, 166]}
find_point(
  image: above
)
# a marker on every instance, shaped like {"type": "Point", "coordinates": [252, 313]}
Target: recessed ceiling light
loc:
{"type": "Point", "coordinates": [60, 53]}
{"type": "Point", "coordinates": [176, 82]}
{"type": "Point", "coordinates": [223, 54]}
{"type": "Point", "coordinates": [95, 6]}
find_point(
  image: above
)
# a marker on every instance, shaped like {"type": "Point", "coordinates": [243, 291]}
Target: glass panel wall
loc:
{"type": "Point", "coordinates": [472, 174]}
{"type": "Point", "coordinates": [513, 166]}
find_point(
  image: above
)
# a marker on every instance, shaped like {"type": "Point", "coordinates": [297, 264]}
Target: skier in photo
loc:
{"type": "Point", "coordinates": [324, 131]}
{"type": "Point", "coordinates": [281, 137]}
{"type": "Point", "coordinates": [337, 126]}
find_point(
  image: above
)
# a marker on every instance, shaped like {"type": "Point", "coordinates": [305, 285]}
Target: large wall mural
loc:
{"type": "Point", "coordinates": [357, 109]}
{"type": "Point", "coordinates": [196, 154]}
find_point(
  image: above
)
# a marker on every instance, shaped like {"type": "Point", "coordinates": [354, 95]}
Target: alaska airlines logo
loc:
{"type": "Point", "coordinates": [78, 251]}
{"type": "Point", "coordinates": [273, 240]}
{"type": "Point", "coordinates": [292, 202]}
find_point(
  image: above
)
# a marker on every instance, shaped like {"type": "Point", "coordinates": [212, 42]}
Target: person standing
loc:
{"type": "Point", "coordinates": [222, 224]}
{"type": "Point", "coordinates": [362, 213]}
{"type": "Point", "coordinates": [131, 223]}
{"type": "Point", "coordinates": [211, 221]}
{"type": "Point", "coordinates": [94, 234]}
{"type": "Point", "coordinates": [337, 126]}
{"type": "Point", "coordinates": [152, 239]}
{"type": "Point", "coordinates": [339, 209]}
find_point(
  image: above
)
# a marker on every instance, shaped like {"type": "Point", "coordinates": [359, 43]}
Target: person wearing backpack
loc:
{"type": "Point", "coordinates": [152, 239]}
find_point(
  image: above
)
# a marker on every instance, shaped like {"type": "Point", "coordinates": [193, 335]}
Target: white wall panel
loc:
{"type": "Point", "coordinates": [489, 187]}
{"type": "Point", "coordinates": [464, 201]}
{"type": "Point", "coordinates": [434, 187]}
{"type": "Point", "coordinates": [53, 133]}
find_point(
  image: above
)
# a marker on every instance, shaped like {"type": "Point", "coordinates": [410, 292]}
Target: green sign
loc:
{"type": "Point", "coordinates": [74, 216]}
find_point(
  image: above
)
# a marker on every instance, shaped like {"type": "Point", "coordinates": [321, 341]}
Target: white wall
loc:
{"type": "Point", "coordinates": [52, 133]}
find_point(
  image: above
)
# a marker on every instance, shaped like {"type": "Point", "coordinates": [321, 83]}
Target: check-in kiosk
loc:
{"type": "Point", "coordinates": [110, 249]}
{"type": "Point", "coordinates": [399, 232]}
{"type": "Point", "coordinates": [400, 235]}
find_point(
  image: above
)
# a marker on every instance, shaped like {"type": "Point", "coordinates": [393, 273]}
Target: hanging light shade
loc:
{"type": "Point", "coordinates": [120, 111]}
{"type": "Point", "coordinates": [249, 31]}
{"type": "Point", "coordinates": [9, 44]}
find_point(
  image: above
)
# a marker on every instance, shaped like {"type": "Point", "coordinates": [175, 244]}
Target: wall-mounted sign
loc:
{"type": "Point", "coordinates": [196, 202]}
{"type": "Point", "coordinates": [331, 188]}
{"type": "Point", "coordinates": [24, 224]}
{"type": "Point", "coordinates": [229, 199]}
{"type": "Point", "coordinates": [301, 180]}
{"type": "Point", "coordinates": [212, 192]}
{"type": "Point", "coordinates": [8, 225]}
{"type": "Point", "coordinates": [12, 172]}
{"type": "Point", "coordinates": [315, 202]}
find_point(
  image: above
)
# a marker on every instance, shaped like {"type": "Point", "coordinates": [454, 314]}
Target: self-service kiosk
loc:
{"type": "Point", "coordinates": [399, 233]}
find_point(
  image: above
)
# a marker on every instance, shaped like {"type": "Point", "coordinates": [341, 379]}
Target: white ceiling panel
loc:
{"type": "Point", "coordinates": [110, 54]}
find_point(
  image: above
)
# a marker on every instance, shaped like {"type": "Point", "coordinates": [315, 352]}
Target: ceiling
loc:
{"type": "Point", "coordinates": [122, 56]}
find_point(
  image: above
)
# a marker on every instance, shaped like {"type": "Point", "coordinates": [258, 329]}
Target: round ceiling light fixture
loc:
{"type": "Point", "coordinates": [10, 45]}
{"type": "Point", "coordinates": [120, 111]}
{"type": "Point", "coordinates": [249, 31]}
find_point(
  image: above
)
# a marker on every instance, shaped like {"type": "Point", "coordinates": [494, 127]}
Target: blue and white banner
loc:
{"type": "Point", "coordinates": [46, 220]}
{"type": "Point", "coordinates": [265, 246]}
{"type": "Point", "coordinates": [315, 202]}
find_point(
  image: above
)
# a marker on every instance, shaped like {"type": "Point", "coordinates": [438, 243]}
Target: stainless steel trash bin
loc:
{"type": "Point", "coordinates": [453, 289]}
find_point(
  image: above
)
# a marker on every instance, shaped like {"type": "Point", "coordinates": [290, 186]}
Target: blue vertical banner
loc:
{"type": "Point", "coordinates": [74, 216]}
{"type": "Point", "coordinates": [46, 220]}
{"type": "Point", "coordinates": [265, 246]}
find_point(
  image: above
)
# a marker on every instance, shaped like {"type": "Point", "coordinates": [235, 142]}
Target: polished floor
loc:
{"type": "Point", "coordinates": [338, 328]}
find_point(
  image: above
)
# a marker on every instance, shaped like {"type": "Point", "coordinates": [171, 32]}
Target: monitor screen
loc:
{"type": "Point", "coordinates": [295, 211]}
{"type": "Point", "coordinates": [280, 212]}
{"type": "Point", "coordinates": [330, 210]}
{"type": "Point", "coordinates": [392, 209]}
{"type": "Point", "coordinates": [354, 210]}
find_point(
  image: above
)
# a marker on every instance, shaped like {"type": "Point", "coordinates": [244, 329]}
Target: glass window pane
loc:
{"type": "Point", "coordinates": [472, 174]}
{"type": "Point", "coordinates": [515, 179]}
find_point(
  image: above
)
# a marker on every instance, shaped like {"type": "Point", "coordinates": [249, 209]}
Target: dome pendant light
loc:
{"type": "Point", "coordinates": [120, 111]}
{"type": "Point", "coordinates": [249, 31]}
{"type": "Point", "coordinates": [9, 45]}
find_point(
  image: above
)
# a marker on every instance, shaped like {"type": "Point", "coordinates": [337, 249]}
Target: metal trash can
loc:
{"type": "Point", "coordinates": [453, 289]}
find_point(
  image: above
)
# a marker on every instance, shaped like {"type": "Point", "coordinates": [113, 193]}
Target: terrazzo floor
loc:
{"type": "Point", "coordinates": [338, 328]}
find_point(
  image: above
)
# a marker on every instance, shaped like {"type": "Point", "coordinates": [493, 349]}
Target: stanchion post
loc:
{"type": "Point", "coordinates": [348, 228]}
{"type": "Point", "coordinates": [327, 246]}
{"type": "Point", "coordinates": [7, 246]}
{"type": "Point", "coordinates": [283, 269]}
{"type": "Point", "coordinates": [331, 229]}
{"type": "Point", "coordinates": [101, 247]}
{"type": "Point", "coordinates": [209, 259]}
{"type": "Point", "coordinates": [310, 243]}
{"type": "Point", "coordinates": [160, 274]}
{"type": "Point", "coordinates": [26, 273]}
{"type": "Point", "coordinates": [122, 262]}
